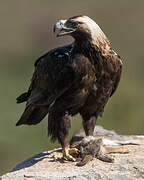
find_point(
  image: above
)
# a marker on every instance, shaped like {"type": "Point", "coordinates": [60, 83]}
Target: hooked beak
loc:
{"type": "Point", "coordinates": [60, 28]}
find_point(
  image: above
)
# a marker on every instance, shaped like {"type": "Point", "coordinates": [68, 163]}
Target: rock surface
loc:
{"type": "Point", "coordinates": [128, 166]}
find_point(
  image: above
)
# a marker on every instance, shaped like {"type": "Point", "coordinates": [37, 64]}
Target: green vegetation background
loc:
{"type": "Point", "coordinates": [26, 33]}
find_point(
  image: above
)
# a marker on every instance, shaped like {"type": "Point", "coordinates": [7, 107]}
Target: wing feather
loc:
{"type": "Point", "coordinates": [51, 78]}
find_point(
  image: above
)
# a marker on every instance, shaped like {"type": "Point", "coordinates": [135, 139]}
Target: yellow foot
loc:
{"type": "Point", "coordinates": [58, 156]}
{"type": "Point", "coordinates": [68, 154]}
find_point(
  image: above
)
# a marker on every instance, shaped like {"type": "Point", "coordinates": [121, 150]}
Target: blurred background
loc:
{"type": "Point", "coordinates": [26, 33]}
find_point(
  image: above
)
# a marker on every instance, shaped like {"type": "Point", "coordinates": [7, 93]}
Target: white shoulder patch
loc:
{"type": "Point", "coordinates": [117, 55]}
{"type": "Point", "coordinates": [60, 56]}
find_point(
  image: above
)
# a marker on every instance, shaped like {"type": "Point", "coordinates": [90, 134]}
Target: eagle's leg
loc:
{"type": "Point", "coordinates": [63, 139]}
{"type": "Point", "coordinates": [89, 124]}
{"type": "Point", "coordinates": [58, 128]}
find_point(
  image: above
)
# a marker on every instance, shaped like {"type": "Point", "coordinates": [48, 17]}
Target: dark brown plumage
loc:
{"type": "Point", "coordinates": [77, 78]}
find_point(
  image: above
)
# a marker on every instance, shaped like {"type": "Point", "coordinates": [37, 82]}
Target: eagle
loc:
{"type": "Point", "coordinates": [76, 78]}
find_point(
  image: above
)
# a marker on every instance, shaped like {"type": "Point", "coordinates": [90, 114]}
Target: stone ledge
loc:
{"type": "Point", "coordinates": [126, 166]}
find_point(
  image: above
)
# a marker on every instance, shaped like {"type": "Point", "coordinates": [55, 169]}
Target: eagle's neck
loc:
{"type": "Point", "coordinates": [89, 49]}
{"type": "Point", "coordinates": [92, 44]}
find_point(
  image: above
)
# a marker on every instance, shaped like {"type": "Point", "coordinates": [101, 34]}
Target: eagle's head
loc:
{"type": "Point", "coordinates": [80, 28]}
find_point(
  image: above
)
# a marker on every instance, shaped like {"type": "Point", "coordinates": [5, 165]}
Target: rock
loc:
{"type": "Point", "coordinates": [127, 166]}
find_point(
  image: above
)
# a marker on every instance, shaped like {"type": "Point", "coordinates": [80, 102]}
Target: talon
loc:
{"type": "Point", "coordinates": [70, 154]}
{"type": "Point", "coordinates": [57, 157]}
{"type": "Point", "coordinates": [69, 157]}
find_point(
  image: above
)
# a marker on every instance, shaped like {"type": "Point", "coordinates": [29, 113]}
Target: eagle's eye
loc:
{"type": "Point", "coordinates": [72, 24]}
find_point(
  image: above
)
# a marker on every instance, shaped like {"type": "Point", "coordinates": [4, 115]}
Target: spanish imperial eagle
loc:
{"type": "Point", "coordinates": [77, 78]}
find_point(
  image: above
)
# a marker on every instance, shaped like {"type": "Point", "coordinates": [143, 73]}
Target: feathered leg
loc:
{"type": "Point", "coordinates": [89, 123]}
{"type": "Point", "coordinates": [58, 128]}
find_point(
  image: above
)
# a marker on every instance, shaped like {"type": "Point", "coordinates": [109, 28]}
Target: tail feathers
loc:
{"type": "Point", "coordinates": [23, 97]}
{"type": "Point", "coordinates": [32, 115]}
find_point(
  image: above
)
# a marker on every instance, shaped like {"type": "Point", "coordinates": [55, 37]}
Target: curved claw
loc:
{"type": "Point", "coordinates": [70, 153]}
{"type": "Point", "coordinates": [69, 158]}
{"type": "Point", "coordinates": [67, 154]}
